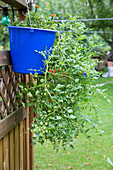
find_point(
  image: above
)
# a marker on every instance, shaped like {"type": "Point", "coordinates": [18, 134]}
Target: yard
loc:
{"type": "Point", "coordinates": [88, 154]}
{"type": "Point", "coordinates": [47, 85]}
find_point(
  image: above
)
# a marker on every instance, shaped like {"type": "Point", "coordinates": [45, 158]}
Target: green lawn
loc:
{"type": "Point", "coordinates": [91, 155]}
{"type": "Point", "coordinates": [103, 80]}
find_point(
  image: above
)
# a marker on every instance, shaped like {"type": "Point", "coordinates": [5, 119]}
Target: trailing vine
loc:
{"type": "Point", "coordinates": [61, 96]}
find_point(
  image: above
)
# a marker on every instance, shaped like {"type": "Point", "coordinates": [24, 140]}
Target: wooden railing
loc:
{"type": "Point", "coordinates": [16, 151]}
{"type": "Point", "coordinates": [19, 4]}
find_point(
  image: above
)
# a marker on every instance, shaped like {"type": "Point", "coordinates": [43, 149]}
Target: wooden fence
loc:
{"type": "Point", "coordinates": [16, 151]}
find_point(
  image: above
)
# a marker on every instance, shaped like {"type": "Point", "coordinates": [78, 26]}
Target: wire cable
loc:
{"type": "Point", "coordinates": [92, 32]}
{"type": "Point", "coordinates": [93, 19]}
{"type": "Point", "coordinates": [106, 32]}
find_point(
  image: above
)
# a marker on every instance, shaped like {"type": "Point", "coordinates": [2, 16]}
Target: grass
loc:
{"type": "Point", "coordinates": [103, 80]}
{"type": "Point", "coordinates": [87, 155]}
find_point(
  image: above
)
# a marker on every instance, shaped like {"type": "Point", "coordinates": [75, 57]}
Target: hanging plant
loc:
{"type": "Point", "coordinates": [60, 97]}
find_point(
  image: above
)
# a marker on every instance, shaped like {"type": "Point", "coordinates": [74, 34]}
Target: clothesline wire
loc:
{"type": "Point", "coordinates": [92, 32]}
{"type": "Point", "coordinates": [100, 32]}
{"type": "Point", "coordinates": [90, 19]}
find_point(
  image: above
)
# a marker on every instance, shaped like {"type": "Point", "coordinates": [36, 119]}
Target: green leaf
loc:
{"type": "Point", "coordinates": [72, 116]}
{"type": "Point", "coordinates": [42, 80]}
{"type": "Point", "coordinates": [23, 104]}
{"type": "Point", "coordinates": [34, 138]}
{"type": "Point", "coordinates": [21, 86]}
{"type": "Point", "coordinates": [86, 130]}
{"type": "Point", "coordinates": [33, 143]}
{"type": "Point", "coordinates": [88, 137]}
{"type": "Point", "coordinates": [71, 146]}
{"type": "Point", "coordinates": [70, 111]}
{"type": "Point", "coordinates": [36, 51]}
{"type": "Point", "coordinates": [40, 85]}
{"type": "Point", "coordinates": [58, 117]}
{"type": "Point", "coordinates": [37, 92]}
{"type": "Point", "coordinates": [34, 83]}
{"type": "Point", "coordinates": [29, 94]}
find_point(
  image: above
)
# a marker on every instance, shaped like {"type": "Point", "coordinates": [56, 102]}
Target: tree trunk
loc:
{"type": "Point", "coordinates": [91, 7]}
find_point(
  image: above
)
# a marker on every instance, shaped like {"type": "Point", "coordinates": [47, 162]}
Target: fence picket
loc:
{"type": "Point", "coordinates": [25, 146]}
{"type": "Point", "coordinates": [12, 158]}
{"type": "Point", "coordinates": [27, 131]}
{"type": "Point", "coordinates": [17, 147]}
{"type": "Point", "coordinates": [22, 146]}
{"type": "Point", "coordinates": [31, 146]}
{"type": "Point", "coordinates": [1, 154]}
{"type": "Point", "coordinates": [6, 152]}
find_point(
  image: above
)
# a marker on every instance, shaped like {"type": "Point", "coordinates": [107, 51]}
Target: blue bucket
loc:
{"type": "Point", "coordinates": [24, 42]}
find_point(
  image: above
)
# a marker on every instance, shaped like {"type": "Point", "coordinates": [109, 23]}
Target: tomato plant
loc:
{"type": "Point", "coordinates": [65, 90]}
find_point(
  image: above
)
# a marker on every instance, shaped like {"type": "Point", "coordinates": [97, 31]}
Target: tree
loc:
{"type": "Point", "coordinates": [99, 9]}
{"type": "Point", "coordinates": [84, 9]}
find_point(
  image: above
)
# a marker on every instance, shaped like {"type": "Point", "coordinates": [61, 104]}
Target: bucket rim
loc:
{"type": "Point", "coordinates": [30, 28]}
